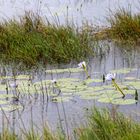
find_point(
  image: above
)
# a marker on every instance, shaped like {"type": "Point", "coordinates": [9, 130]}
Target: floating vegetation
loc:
{"type": "Point", "coordinates": [133, 84]}
{"type": "Point", "coordinates": [64, 89]}
{"type": "Point", "coordinates": [131, 78]}
{"type": "Point", "coordinates": [5, 77]}
{"type": "Point", "coordinates": [124, 101]}
{"type": "Point", "coordinates": [82, 65]}
{"type": "Point", "coordinates": [117, 100]}
{"type": "Point", "coordinates": [3, 102]}
{"type": "Point", "coordinates": [70, 70]}
{"type": "Point", "coordinates": [89, 81]}
{"type": "Point", "coordinates": [111, 77]}
{"type": "Point", "coordinates": [3, 87]}
{"type": "Point", "coordinates": [4, 96]}
{"type": "Point", "coordinates": [43, 83]}
{"type": "Point", "coordinates": [22, 77]}
{"type": "Point", "coordinates": [111, 95]}
{"type": "Point", "coordinates": [89, 95]}
{"type": "Point", "coordinates": [61, 99]}
{"type": "Point", "coordinates": [11, 107]}
{"type": "Point", "coordinates": [123, 71]}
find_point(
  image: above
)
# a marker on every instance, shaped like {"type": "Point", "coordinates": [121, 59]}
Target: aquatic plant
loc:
{"type": "Point", "coordinates": [82, 65]}
{"type": "Point", "coordinates": [55, 86]}
{"type": "Point", "coordinates": [124, 27]}
{"type": "Point", "coordinates": [111, 77]}
{"type": "Point", "coordinates": [105, 124]}
{"type": "Point", "coordinates": [32, 41]}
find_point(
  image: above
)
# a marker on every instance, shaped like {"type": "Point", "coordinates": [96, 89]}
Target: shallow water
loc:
{"type": "Point", "coordinates": [39, 108]}
{"type": "Point", "coordinates": [36, 107]}
{"type": "Point", "coordinates": [61, 11]}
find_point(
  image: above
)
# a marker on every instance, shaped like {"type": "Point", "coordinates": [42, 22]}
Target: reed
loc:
{"type": "Point", "coordinates": [124, 27]}
{"type": "Point", "coordinates": [109, 125]}
{"type": "Point", "coordinates": [31, 41]}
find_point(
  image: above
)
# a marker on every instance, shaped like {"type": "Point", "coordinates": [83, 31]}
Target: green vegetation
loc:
{"type": "Point", "coordinates": [29, 135]}
{"type": "Point", "coordinates": [109, 125]}
{"type": "Point", "coordinates": [31, 41]}
{"type": "Point", "coordinates": [103, 124]}
{"type": "Point", "coordinates": [124, 27]}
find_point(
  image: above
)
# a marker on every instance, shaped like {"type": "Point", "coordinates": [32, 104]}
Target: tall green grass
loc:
{"type": "Point", "coordinates": [107, 125]}
{"type": "Point", "coordinates": [102, 124]}
{"type": "Point", "coordinates": [31, 41]}
{"type": "Point", "coordinates": [31, 134]}
{"type": "Point", "coordinates": [124, 27]}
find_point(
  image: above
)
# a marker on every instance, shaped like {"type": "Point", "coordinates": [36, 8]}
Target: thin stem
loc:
{"type": "Point", "coordinates": [86, 71]}
{"type": "Point", "coordinates": [119, 89]}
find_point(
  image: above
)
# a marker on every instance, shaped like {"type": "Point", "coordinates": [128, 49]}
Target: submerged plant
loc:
{"type": "Point", "coordinates": [82, 65]}
{"type": "Point", "coordinates": [111, 77]}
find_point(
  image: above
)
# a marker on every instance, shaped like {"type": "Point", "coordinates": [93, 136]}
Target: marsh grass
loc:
{"type": "Point", "coordinates": [102, 124]}
{"type": "Point", "coordinates": [7, 135]}
{"type": "Point", "coordinates": [124, 27]}
{"type": "Point", "coordinates": [107, 125]}
{"type": "Point", "coordinates": [31, 41]}
{"type": "Point", "coordinates": [31, 134]}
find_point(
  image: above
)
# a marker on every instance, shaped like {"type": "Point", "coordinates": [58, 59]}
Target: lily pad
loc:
{"type": "Point", "coordinates": [123, 71]}
{"type": "Point", "coordinates": [5, 77]}
{"type": "Point", "coordinates": [43, 82]}
{"type": "Point", "coordinates": [135, 84]}
{"type": "Point", "coordinates": [124, 101]}
{"type": "Point", "coordinates": [111, 95]}
{"type": "Point", "coordinates": [131, 78]}
{"type": "Point", "coordinates": [60, 99]}
{"type": "Point", "coordinates": [3, 87]}
{"type": "Point", "coordinates": [3, 102]}
{"type": "Point", "coordinates": [22, 77]}
{"type": "Point", "coordinates": [11, 107]}
{"type": "Point", "coordinates": [90, 91]}
{"type": "Point", "coordinates": [3, 96]}
{"type": "Point", "coordinates": [89, 95]}
{"type": "Point", "coordinates": [67, 93]}
{"type": "Point", "coordinates": [63, 80]}
{"type": "Point", "coordinates": [89, 81]}
{"type": "Point", "coordinates": [73, 70]}
{"type": "Point", "coordinates": [105, 100]}
{"type": "Point", "coordinates": [129, 92]}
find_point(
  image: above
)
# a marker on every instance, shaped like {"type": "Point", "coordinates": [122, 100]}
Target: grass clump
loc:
{"type": "Point", "coordinates": [32, 41]}
{"type": "Point", "coordinates": [103, 125]}
{"type": "Point", "coordinates": [124, 27]}
{"type": "Point", "coordinates": [31, 134]}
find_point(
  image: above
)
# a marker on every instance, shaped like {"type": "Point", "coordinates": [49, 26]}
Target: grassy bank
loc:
{"type": "Point", "coordinates": [31, 41]}
{"type": "Point", "coordinates": [124, 27]}
{"type": "Point", "coordinates": [101, 125]}
{"type": "Point", "coordinates": [109, 125]}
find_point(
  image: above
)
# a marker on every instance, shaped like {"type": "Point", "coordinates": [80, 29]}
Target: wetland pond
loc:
{"type": "Point", "coordinates": [35, 96]}
{"type": "Point", "coordinates": [31, 96]}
